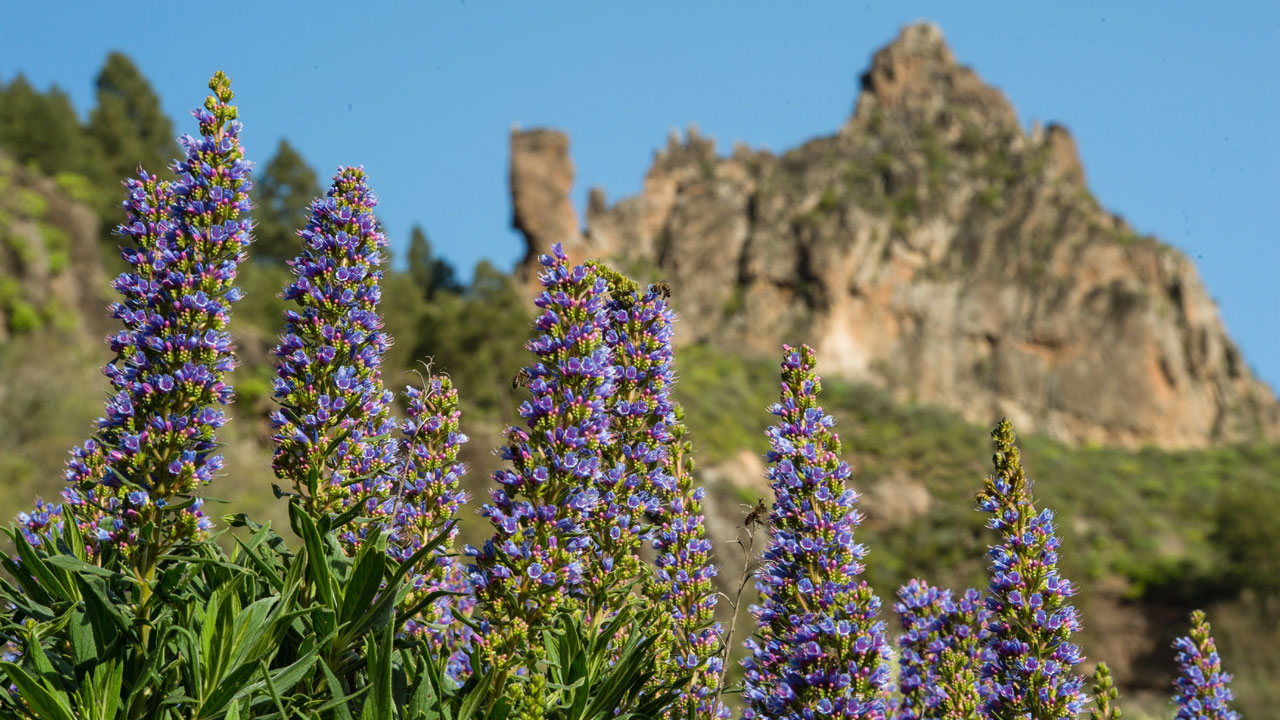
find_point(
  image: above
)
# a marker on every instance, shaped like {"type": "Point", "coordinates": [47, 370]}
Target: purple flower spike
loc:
{"type": "Point", "coordinates": [1031, 621]}
{"type": "Point", "coordinates": [184, 242]}
{"type": "Point", "coordinates": [817, 650]}
{"type": "Point", "coordinates": [428, 495]}
{"type": "Point", "coordinates": [543, 511]}
{"type": "Point", "coordinates": [1202, 690]}
{"type": "Point", "coordinates": [333, 431]}
{"type": "Point", "coordinates": [932, 623]}
{"type": "Point", "coordinates": [652, 482]}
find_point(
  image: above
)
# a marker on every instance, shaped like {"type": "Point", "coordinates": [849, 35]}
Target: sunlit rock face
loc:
{"type": "Point", "coordinates": [931, 246]}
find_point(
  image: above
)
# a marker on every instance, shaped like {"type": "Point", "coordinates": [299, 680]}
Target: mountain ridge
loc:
{"type": "Point", "coordinates": [930, 246]}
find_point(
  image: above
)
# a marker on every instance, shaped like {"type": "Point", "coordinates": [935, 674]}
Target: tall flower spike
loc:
{"type": "Point", "coordinates": [638, 407]}
{"type": "Point", "coordinates": [653, 474]}
{"type": "Point", "coordinates": [539, 558]}
{"type": "Point", "coordinates": [333, 430]}
{"type": "Point", "coordinates": [933, 622]}
{"type": "Point", "coordinates": [818, 649]}
{"type": "Point", "coordinates": [1031, 621]}
{"type": "Point", "coordinates": [156, 447]}
{"type": "Point", "coordinates": [428, 495]}
{"type": "Point", "coordinates": [1202, 690]}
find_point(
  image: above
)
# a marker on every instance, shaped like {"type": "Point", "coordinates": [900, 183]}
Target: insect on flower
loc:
{"type": "Point", "coordinates": [759, 515]}
{"type": "Point", "coordinates": [662, 288]}
{"type": "Point", "coordinates": [521, 379]}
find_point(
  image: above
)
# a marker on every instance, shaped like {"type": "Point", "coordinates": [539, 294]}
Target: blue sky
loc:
{"type": "Point", "coordinates": [1175, 106]}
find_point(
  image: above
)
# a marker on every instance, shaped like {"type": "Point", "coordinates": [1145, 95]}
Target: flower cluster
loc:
{"type": "Point", "coordinates": [1031, 621]}
{"type": "Point", "coordinates": [539, 558]}
{"type": "Point", "coordinates": [427, 496]}
{"type": "Point", "coordinates": [932, 623]}
{"type": "Point", "coordinates": [818, 649]}
{"type": "Point", "coordinates": [959, 690]}
{"type": "Point", "coordinates": [43, 520]}
{"type": "Point", "coordinates": [156, 446]}
{"type": "Point", "coordinates": [653, 473]}
{"type": "Point", "coordinates": [1202, 690]}
{"type": "Point", "coordinates": [333, 430]}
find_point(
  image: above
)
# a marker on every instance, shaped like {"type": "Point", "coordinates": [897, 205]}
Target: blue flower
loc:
{"type": "Point", "coordinates": [1202, 689]}
{"type": "Point", "coordinates": [1031, 621]}
{"type": "Point", "coordinates": [333, 428]}
{"type": "Point", "coordinates": [649, 493]}
{"type": "Point", "coordinates": [426, 497]}
{"type": "Point", "coordinates": [44, 520]}
{"type": "Point", "coordinates": [932, 623]}
{"type": "Point", "coordinates": [822, 650]}
{"type": "Point", "coordinates": [555, 467]}
{"type": "Point", "coordinates": [186, 240]}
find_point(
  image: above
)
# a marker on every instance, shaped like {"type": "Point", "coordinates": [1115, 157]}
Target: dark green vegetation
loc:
{"type": "Point", "coordinates": [1148, 534]}
{"type": "Point", "coordinates": [269, 632]}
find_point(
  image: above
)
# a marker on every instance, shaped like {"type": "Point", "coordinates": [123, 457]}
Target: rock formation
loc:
{"type": "Point", "coordinates": [931, 246]}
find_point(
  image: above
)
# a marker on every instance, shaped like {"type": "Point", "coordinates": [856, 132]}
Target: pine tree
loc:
{"type": "Point", "coordinates": [128, 124]}
{"type": "Point", "coordinates": [430, 274]}
{"type": "Point", "coordinates": [41, 129]}
{"type": "Point", "coordinates": [283, 195]}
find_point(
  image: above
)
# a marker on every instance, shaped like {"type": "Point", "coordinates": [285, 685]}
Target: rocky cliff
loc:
{"type": "Point", "coordinates": [931, 246]}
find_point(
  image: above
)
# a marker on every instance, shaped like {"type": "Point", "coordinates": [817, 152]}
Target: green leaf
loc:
{"type": "Point", "coordinates": [73, 564]}
{"type": "Point", "coordinates": [44, 704]}
{"type": "Point", "coordinates": [366, 578]}
{"type": "Point", "coordinates": [104, 615]}
{"type": "Point", "coordinates": [378, 706]}
{"type": "Point", "coordinates": [316, 559]}
{"type": "Point", "coordinates": [84, 646]}
{"type": "Point", "coordinates": [478, 694]}
{"type": "Point", "coordinates": [102, 690]}
{"type": "Point", "coordinates": [341, 701]}
{"type": "Point", "coordinates": [271, 689]}
{"type": "Point", "coordinates": [41, 571]}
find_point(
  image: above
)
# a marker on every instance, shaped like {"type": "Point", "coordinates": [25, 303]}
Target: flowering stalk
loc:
{"type": "Point", "coordinates": [818, 649]}
{"type": "Point", "coordinates": [1031, 621]}
{"type": "Point", "coordinates": [683, 579]}
{"type": "Point", "coordinates": [932, 622]}
{"type": "Point", "coordinates": [1104, 695]}
{"type": "Point", "coordinates": [539, 558]}
{"type": "Point", "coordinates": [1202, 690]}
{"type": "Point", "coordinates": [652, 473]}
{"type": "Point", "coordinates": [333, 430]}
{"type": "Point", "coordinates": [427, 496]}
{"type": "Point", "coordinates": [638, 406]}
{"type": "Point", "coordinates": [133, 484]}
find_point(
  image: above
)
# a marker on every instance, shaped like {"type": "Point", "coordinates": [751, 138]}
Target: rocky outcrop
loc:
{"type": "Point", "coordinates": [931, 246]}
{"type": "Point", "coordinates": [541, 177]}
